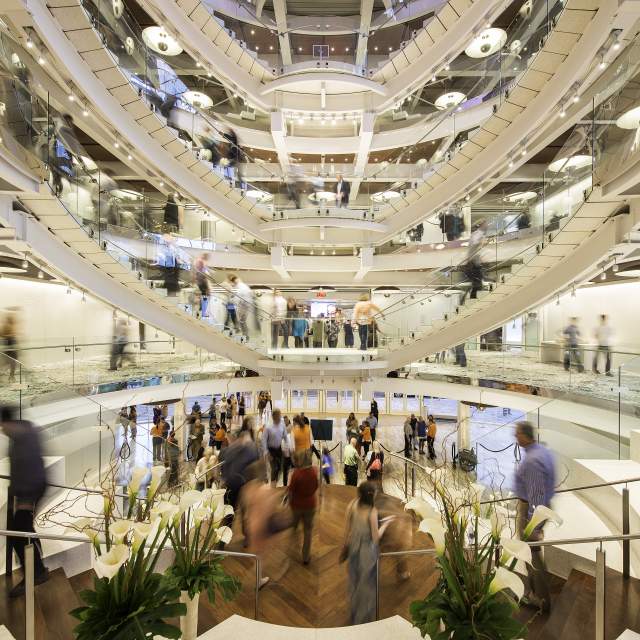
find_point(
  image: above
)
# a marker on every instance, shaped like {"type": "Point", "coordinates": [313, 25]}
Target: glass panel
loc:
{"type": "Point", "coordinates": [397, 403]}
{"type": "Point", "coordinates": [346, 401]}
{"type": "Point", "coordinates": [297, 399]}
{"type": "Point", "coordinates": [413, 404]}
{"type": "Point", "coordinates": [331, 400]}
{"type": "Point", "coordinates": [381, 399]}
{"type": "Point", "coordinates": [312, 399]}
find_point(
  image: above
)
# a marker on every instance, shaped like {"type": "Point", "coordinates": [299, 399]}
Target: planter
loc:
{"type": "Point", "coordinates": [189, 621]}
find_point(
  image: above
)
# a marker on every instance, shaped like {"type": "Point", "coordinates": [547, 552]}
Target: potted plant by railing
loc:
{"type": "Point", "coordinates": [130, 600]}
{"type": "Point", "coordinates": [196, 568]}
{"type": "Point", "coordinates": [478, 590]}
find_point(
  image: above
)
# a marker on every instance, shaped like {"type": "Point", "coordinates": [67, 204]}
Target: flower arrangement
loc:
{"type": "Point", "coordinates": [130, 600]}
{"type": "Point", "coordinates": [478, 590]}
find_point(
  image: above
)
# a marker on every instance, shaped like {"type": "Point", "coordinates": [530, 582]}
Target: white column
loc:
{"type": "Point", "coordinates": [280, 10]}
{"type": "Point", "coordinates": [279, 133]}
{"type": "Point", "coordinates": [179, 424]}
{"type": "Point", "coordinates": [366, 137]}
{"type": "Point", "coordinates": [464, 427]}
{"type": "Point", "coordinates": [366, 10]}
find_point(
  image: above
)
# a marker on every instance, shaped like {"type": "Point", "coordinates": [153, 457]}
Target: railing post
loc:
{"type": "Point", "coordinates": [406, 480]}
{"type": "Point", "coordinates": [8, 561]}
{"type": "Point", "coordinates": [413, 481]}
{"type": "Point", "coordinates": [29, 603]}
{"type": "Point", "coordinates": [600, 592]}
{"type": "Point", "coordinates": [378, 588]}
{"type": "Point", "coordinates": [626, 544]}
{"type": "Point", "coordinates": [258, 579]}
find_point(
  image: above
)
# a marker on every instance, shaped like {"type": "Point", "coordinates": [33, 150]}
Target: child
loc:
{"type": "Point", "coordinates": [327, 465]}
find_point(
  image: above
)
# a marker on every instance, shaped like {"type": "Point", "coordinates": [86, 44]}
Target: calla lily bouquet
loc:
{"type": "Point", "coordinates": [195, 538]}
{"type": "Point", "coordinates": [129, 599]}
{"type": "Point", "coordinates": [479, 589]}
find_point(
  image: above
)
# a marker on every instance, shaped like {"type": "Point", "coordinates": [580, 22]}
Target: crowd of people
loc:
{"type": "Point", "coordinates": [289, 319]}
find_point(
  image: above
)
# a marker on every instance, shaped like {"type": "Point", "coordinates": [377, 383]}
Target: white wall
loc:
{"type": "Point", "coordinates": [621, 302]}
{"type": "Point", "coordinates": [48, 315]}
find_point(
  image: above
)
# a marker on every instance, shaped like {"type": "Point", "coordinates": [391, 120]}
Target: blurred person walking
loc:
{"type": "Point", "coordinates": [278, 318]}
{"type": "Point", "coordinates": [360, 548]}
{"type": "Point", "coordinates": [535, 482]}
{"type": "Point", "coordinates": [243, 301]}
{"type": "Point", "coordinates": [603, 335]}
{"type": "Point", "coordinates": [202, 282]}
{"type": "Point", "coordinates": [375, 466]}
{"type": "Point", "coordinates": [236, 459]}
{"type": "Point", "coordinates": [365, 432]}
{"type": "Point", "coordinates": [303, 490]}
{"type": "Point", "coordinates": [288, 448]}
{"type": "Point", "coordinates": [272, 438]}
{"type": "Point", "coordinates": [27, 483]}
{"type": "Point", "coordinates": [343, 191]}
{"type": "Point", "coordinates": [10, 342]}
{"type": "Point", "coordinates": [422, 434]}
{"type": "Point", "coordinates": [157, 440]}
{"type": "Point", "coordinates": [571, 334]}
{"type": "Point", "coordinates": [327, 465]}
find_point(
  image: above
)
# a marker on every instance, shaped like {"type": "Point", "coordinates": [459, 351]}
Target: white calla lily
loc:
{"type": "Point", "coordinates": [505, 579]}
{"type": "Point", "coordinates": [87, 527]}
{"type": "Point", "coordinates": [137, 476]}
{"type": "Point", "coordinates": [200, 514]}
{"type": "Point", "coordinates": [189, 499]}
{"type": "Point", "coordinates": [108, 564]}
{"type": "Point", "coordinates": [119, 529]}
{"type": "Point", "coordinates": [157, 474]}
{"type": "Point", "coordinates": [422, 508]}
{"type": "Point", "coordinates": [540, 514]}
{"type": "Point", "coordinates": [141, 531]}
{"type": "Point", "coordinates": [499, 518]}
{"type": "Point", "coordinates": [462, 516]}
{"type": "Point", "coordinates": [434, 528]}
{"type": "Point", "coordinates": [512, 548]}
{"type": "Point", "coordinates": [224, 534]}
{"type": "Point", "coordinates": [163, 511]}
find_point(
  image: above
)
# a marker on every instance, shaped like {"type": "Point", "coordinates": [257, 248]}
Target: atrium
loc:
{"type": "Point", "coordinates": [317, 319]}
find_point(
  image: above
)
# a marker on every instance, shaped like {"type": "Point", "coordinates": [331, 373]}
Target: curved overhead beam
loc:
{"type": "Point", "coordinates": [318, 221]}
{"type": "Point", "coordinates": [307, 82]}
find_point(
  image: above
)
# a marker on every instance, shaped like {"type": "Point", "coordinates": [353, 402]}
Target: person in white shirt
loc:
{"type": "Point", "coordinates": [363, 314]}
{"type": "Point", "coordinates": [243, 300]}
{"type": "Point", "coordinates": [204, 469]}
{"type": "Point", "coordinates": [288, 447]}
{"type": "Point", "coordinates": [279, 315]}
{"type": "Point", "coordinates": [603, 335]}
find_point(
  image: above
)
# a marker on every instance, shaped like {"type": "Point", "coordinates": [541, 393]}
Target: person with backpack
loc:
{"type": "Point", "coordinates": [375, 464]}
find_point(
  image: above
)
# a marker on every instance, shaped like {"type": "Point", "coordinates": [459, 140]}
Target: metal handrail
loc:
{"type": "Point", "coordinates": [29, 569]}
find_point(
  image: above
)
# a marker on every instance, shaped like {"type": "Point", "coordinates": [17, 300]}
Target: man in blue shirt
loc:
{"type": "Point", "coordinates": [272, 438]}
{"type": "Point", "coordinates": [534, 485]}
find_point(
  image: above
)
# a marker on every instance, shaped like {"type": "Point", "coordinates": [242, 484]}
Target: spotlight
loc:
{"type": "Point", "coordinates": [41, 60]}
{"type": "Point", "coordinates": [85, 113]}
{"type": "Point", "coordinates": [40, 274]}
{"type": "Point", "coordinates": [29, 44]}
{"type": "Point", "coordinates": [603, 275]}
{"type": "Point", "coordinates": [71, 97]}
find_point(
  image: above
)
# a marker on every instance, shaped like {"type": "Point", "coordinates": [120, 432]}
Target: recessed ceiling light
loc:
{"type": "Point", "coordinates": [158, 40]}
{"type": "Point", "coordinates": [253, 32]}
{"type": "Point", "coordinates": [375, 48]}
{"type": "Point", "coordinates": [486, 43]}
{"type": "Point", "coordinates": [448, 100]}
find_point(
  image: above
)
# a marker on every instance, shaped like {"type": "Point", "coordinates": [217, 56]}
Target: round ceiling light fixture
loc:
{"type": "Point", "coordinates": [520, 196]}
{"type": "Point", "coordinates": [259, 196]}
{"type": "Point", "coordinates": [487, 43]}
{"type": "Point", "coordinates": [449, 100]}
{"type": "Point", "coordinates": [385, 196]}
{"type": "Point", "coordinates": [629, 119]}
{"type": "Point", "coordinates": [157, 39]}
{"type": "Point", "coordinates": [197, 99]}
{"type": "Point", "coordinates": [322, 196]}
{"type": "Point", "coordinates": [572, 162]}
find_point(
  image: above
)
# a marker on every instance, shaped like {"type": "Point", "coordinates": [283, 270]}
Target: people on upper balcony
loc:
{"type": "Point", "coordinates": [278, 318]}
{"type": "Point", "coordinates": [603, 334]}
{"type": "Point", "coordinates": [172, 215]}
{"type": "Point", "coordinates": [572, 354]}
{"type": "Point", "coordinates": [243, 298]}
{"type": "Point", "coordinates": [363, 315]}
{"type": "Point", "coordinates": [343, 191]}
{"type": "Point", "coordinates": [451, 224]}
{"type": "Point", "coordinates": [348, 334]}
